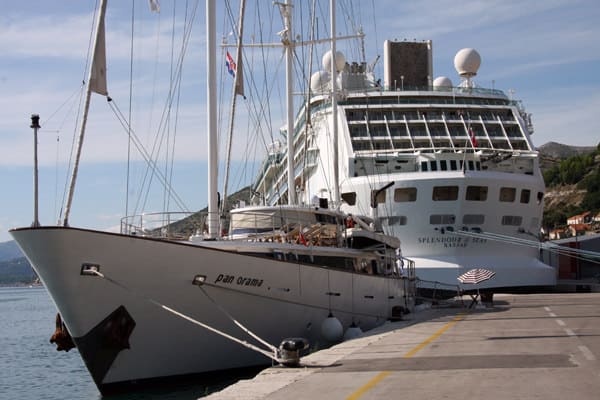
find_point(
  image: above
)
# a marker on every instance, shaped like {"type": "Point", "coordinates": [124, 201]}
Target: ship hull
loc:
{"type": "Point", "coordinates": [124, 335]}
{"type": "Point", "coordinates": [442, 251]}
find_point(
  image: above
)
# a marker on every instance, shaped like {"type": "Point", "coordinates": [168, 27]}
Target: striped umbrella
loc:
{"type": "Point", "coordinates": [476, 276]}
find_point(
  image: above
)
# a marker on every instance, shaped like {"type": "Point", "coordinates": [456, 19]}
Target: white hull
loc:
{"type": "Point", "coordinates": [272, 298]}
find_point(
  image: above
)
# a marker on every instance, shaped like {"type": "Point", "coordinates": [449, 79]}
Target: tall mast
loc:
{"type": "Point", "coordinates": [336, 172]}
{"type": "Point", "coordinates": [287, 40]}
{"type": "Point", "coordinates": [211, 104]}
{"type": "Point", "coordinates": [91, 85]}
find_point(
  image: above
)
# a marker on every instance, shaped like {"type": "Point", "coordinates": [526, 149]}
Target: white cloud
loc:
{"type": "Point", "coordinates": [567, 116]}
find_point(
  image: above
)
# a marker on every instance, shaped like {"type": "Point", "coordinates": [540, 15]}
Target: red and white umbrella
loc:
{"type": "Point", "coordinates": [476, 276]}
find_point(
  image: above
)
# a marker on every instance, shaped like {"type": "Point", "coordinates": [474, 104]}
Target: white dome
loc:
{"type": "Point", "coordinates": [442, 82]}
{"type": "Point", "coordinates": [320, 81]}
{"type": "Point", "coordinates": [340, 61]}
{"type": "Point", "coordinates": [467, 62]}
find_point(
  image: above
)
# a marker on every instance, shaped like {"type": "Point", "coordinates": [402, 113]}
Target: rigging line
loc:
{"type": "Point", "coordinates": [574, 253]}
{"type": "Point", "coordinates": [140, 147]}
{"type": "Point", "coordinates": [307, 109]}
{"type": "Point", "coordinates": [166, 110]}
{"type": "Point", "coordinates": [130, 108]}
{"type": "Point", "coordinates": [188, 318]}
{"type": "Point", "coordinates": [242, 327]}
{"type": "Point", "coordinates": [176, 119]}
{"type": "Point", "coordinates": [81, 91]}
{"type": "Point", "coordinates": [172, 87]}
{"type": "Point", "coordinates": [145, 154]}
{"type": "Point", "coordinates": [62, 105]}
{"type": "Point", "coordinates": [72, 151]}
{"type": "Point", "coordinates": [374, 23]}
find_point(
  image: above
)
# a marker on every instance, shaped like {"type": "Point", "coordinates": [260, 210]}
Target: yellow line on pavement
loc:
{"type": "Point", "coordinates": [363, 389]}
{"type": "Point", "coordinates": [434, 336]}
{"type": "Point", "coordinates": [368, 385]}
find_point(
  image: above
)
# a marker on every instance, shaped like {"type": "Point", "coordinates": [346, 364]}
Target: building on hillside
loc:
{"type": "Point", "coordinates": [597, 218]}
{"type": "Point", "coordinates": [569, 266]}
{"type": "Point", "coordinates": [558, 234]}
{"type": "Point", "coordinates": [583, 218]}
{"type": "Point", "coordinates": [579, 229]}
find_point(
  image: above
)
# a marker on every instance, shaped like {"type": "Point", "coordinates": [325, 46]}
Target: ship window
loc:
{"type": "Point", "coordinates": [512, 220]}
{"type": "Point", "coordinates": [395, 220]}
{"type": "Point", "coordinates": [445, 193]}
{"type": "Point", "coordinates": [453, 165]}
{"type": "Point", "coordinates": [525, 194]}
{"type": "Point", "coordinates": [540, 196]}
{"type": "Point", "coordinates": [443, 165]}
{"type": "Point", "coordinates": [349, 197]}
{"type": "Point", "coordinates": [461, 164]}
{"type": "Point", "coordinates": [476, 193]}
{"type": "Point", "coordinates": [471, 165]}
{"type": "Point", "coordinates": [441, 219]}
{"type": "Point", "coordinates": [433, 165]}
{"type": "Point", "coordinates": [424, 166]}
{"type": "Point", "coordinates": [473, 219]}
{"type": "Point", "coordinates": [478, 165]}
{"type": "Point", "coordinates": [507, 194]}
{"type": "Point", "coordinates": [402, 195]}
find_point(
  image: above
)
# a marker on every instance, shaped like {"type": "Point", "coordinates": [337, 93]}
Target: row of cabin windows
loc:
{"type": "Point", "coordinates": [450, 219]}
{"type": "Point", "coordinates": [450, 193]}
{"type": "Point", "coordinates": [380, 115]}
{"type": "Point", "coordinates": [450, 165]}
{"type": "Point", "coordinates": [479, 193]}
{"type": "Point", "coordinates": [435, 130]}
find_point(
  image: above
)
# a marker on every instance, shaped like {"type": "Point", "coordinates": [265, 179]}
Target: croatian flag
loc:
{"type": "Point", "coordinates": [473, 138]}
{"type": "Point", "coordinates": [230, 64]}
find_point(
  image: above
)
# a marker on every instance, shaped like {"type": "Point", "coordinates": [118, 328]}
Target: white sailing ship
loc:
{"type": "Point", "coordinates": [450, 169]}
{"type": "Point", "coordinates": [142, 305]}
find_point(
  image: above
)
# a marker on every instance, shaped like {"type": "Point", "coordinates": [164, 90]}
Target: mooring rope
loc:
{"type": "Point", "coordinates": [272, 355]}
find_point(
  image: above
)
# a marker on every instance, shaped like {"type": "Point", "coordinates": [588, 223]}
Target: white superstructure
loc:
{"type": "Point", "coordinates": [461, 175]}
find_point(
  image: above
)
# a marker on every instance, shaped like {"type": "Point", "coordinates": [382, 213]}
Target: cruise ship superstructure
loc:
{"type": "Point", "coordinates": [450, 170]}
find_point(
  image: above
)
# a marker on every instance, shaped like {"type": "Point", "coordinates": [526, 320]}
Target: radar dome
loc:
{"type": "Point", "coordinates": [442, 82]}
{"type": "Point", "coordinates": [467, 62]}
{"type": "Point", "coordinates": [320, 81]}
{"type": "Point", "coordinates": [340, 61]}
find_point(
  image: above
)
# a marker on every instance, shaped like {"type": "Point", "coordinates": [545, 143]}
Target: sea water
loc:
{"type": "Point", "coordinates": [30, 366]}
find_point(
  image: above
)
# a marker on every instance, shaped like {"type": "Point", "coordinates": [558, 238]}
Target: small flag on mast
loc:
{"type": "Point", "coordinates": [232, 68]}
{"type": "Point", "coordinates": [230, 64]}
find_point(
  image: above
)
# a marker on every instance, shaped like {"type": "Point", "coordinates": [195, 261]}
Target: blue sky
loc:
{"type": "Point", "coordinates": [547, 51]}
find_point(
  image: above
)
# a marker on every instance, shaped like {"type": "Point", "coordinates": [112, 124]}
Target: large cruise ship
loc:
{"type": "Point", "coordinates": [449, 169]}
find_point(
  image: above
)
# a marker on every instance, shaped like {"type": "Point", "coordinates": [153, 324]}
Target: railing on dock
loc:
{"type": "Point", "coordinates": [437, 292]}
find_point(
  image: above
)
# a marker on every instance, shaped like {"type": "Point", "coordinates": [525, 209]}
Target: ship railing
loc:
{"type": "Point", "coordinates": [437, 292]}
{"type": "Point", "coordinates": [164, 225]}
{"type": "Point", "coordinates": [291, 226]}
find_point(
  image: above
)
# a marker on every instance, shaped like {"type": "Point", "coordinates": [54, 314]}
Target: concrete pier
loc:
{"type": "Point", "coordinates": [541, 346]}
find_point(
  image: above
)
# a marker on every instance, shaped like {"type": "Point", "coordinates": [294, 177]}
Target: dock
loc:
{"type": "Point", "coordinates": [535, 346]}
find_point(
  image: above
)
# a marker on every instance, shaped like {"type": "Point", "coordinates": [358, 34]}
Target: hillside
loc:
{"type": "Point", "coordinates": [572, 177]}
{"type": "Point", "coordinates": [16, 271]}
{"type": "Point", "coordinates": [9, 250]}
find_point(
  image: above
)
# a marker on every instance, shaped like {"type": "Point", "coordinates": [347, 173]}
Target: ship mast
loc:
{"type": "Point", "coordinates": [211, 105]}
{"type": "Point", "coordinates": [287, 40]}
{"type": "Point", "coordinates": [96, 82]}
{"type": "Point", "coordinates": [336, 173]}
